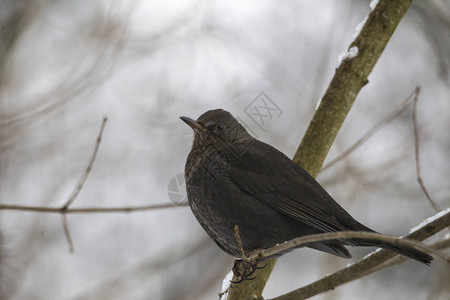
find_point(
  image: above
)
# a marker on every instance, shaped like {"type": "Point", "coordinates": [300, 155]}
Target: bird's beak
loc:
{"type": "Point", "coordinates": [193, 124]}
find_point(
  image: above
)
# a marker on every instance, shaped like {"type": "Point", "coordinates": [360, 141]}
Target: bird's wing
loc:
{"type": "Point", "coordinates": [271, 177]}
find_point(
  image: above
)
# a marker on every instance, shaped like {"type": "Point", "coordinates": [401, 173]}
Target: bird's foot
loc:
{"type": "Point", "coordinates": [247, 265]}
{"type": "Point", "coordinates": [244, 269]}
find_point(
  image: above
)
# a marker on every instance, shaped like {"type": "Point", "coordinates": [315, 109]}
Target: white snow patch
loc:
{"type": "Point", "coordinates": [359, 27]}
{"type": "Point", "coordinates": [373, 4]}
{"type": "Point", "coordinates": [350, 264]}
{"type": "Point", "coordinates": [371, 253]}
{"type": "Point", "coordinates": [430, 219]}
{"type": "Point", "coordinates": [349, 54]}
{"type": "Point", "coordinates": [226, 285]}
{"type": "Point", "coordinates": [320, 100]}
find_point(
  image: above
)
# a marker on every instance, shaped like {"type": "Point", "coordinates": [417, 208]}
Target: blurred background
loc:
{"type": "Point", "coordinates": [66, 64]}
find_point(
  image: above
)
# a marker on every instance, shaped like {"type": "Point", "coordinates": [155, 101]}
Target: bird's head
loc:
{"type": "Point", "coordinates": [217, 127]}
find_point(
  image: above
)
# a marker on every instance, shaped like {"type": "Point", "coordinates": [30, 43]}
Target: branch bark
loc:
{"type": "Point", "coordinates": [348, 80]}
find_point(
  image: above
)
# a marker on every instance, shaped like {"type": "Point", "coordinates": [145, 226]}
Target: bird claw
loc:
{"type": "Point", "coordinates": [244, 269]}
{"type": "Point", "coordinates": [242, 279]}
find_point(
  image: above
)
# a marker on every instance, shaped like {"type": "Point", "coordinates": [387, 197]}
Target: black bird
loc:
{"type": "Point", "coordinates": [235, 179]}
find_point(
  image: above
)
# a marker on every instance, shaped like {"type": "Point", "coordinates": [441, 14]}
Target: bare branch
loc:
{"type": "Point", "coordinates": [79, 186]}
{"type": "Point", "coordinates": [372, 130]}
{"type": "Point", "coordinates": [417, 151]}
{"type": "Point", "coordinates": [323, 237]}
{"type": "Point", "coordinates": [65, 209]}
{"type": "Point", "coordinates": [352, 272]}
{"type": "Point", "coordinates": [85, 175]}
{"type": "Point", "coordinates": [67, 232]}
{"type": "Point", "coordinates": [239, 242]}
{"type": "Point", "coordinates": [81, 210]}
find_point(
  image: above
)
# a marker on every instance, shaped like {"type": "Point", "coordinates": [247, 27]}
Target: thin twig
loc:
{"type": "Point", "coordinates": [80, 185]}
{"type": "Point", "coordinates": [239, 242]}
{"type": "Point", "coordinates": [81, 210]}
{"type": "Point", "coordinates": [369, 133]}
{"type": "Point", "coordinates": [85, 175]}
{"type": "Point", "coordinates": [65, 209]}
{"type": "Point", "coordinates": [417, 151]}
{"type": "Point", "coordinates": [67, 232]}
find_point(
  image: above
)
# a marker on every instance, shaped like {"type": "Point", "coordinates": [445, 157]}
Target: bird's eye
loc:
{"type": "Point", "coordinates": [219, 127]}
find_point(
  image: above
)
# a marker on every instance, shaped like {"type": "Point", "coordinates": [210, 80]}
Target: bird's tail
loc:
{"type": "Point", "coordinates": [404, 250]}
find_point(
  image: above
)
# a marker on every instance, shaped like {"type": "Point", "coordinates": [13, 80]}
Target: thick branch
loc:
{"type": "Point", "coordinates": [348, 80]}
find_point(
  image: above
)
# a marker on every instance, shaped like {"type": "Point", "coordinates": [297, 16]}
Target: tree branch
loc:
{"type": "Point", "coordinates": [83, 210]}
{"type": "Point", "coordinates": [364, 267]}
{"type": "Point", "coordinates": [417, 154]}
{"type": "Point", "coordinates": [324, 237]}
{"type": "Point", "coordinates": [85, 175]}
{"type": "Point", "coordinates": [67, 231]}
{"type": "Point", "coordinates": [348, 80]}
{"type": "Point", "coordinates": [79, 187]}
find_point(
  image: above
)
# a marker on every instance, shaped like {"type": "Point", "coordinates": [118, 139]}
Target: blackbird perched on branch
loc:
{"type": "Point", "coordinates": [235, 179]}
